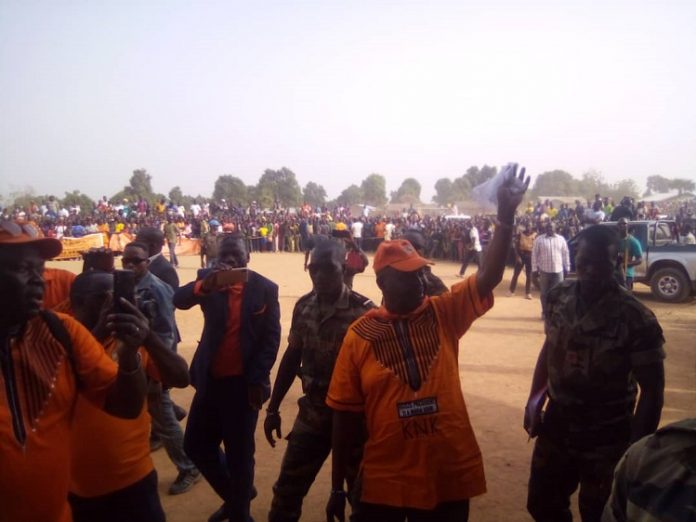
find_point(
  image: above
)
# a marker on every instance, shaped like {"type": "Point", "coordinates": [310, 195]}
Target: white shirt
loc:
{"type": "Point", "coordinates": [474, 236]}
{"type": "Point", "coordinates": [388, 231]}
{"type": "Point", "coordinates": [356, 229]}
{"type": "Point", "coordinates": [550, 254]}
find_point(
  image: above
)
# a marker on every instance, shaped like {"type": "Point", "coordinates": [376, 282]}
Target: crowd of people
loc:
{"type": "Point", "coordinates": [381, 384]}
{"type": "Point", "coordinates": [288, 230]}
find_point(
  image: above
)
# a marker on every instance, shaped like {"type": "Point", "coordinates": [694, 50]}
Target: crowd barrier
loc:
{"type": "Point", "coordinates": [73, 246]}
{"type": "Point", "coordinates": [184, 247]}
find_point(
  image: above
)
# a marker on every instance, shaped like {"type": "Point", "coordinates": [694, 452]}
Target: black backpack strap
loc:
{"type": "Point", "coordinates": [60, 333]}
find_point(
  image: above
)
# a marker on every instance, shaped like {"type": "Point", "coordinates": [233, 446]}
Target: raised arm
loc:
{"type": "Point", "coordinates": [126, 395]}
{"type": "Point", "coordinates": [510, 195]}
{"type": "Point", "coordinates": [185, 296]}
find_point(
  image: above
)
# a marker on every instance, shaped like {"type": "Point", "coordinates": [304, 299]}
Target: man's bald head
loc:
{"type": "Point", "coordinates": [89, 293]}
{"type": "Point", "coordinates": [328, 250]}
{"type": "Point", "coordinates": [153, 238]}
{"type": "Point", "coordinates": [90, 283]}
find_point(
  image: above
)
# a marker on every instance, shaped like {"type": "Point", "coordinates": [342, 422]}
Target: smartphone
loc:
{"type": "Point", "coordinates": [124, 286]}
{"type": "Point", "coordinates": [231, 276]}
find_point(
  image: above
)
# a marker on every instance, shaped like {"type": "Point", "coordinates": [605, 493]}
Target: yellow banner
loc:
{"type": "Point", "coordinates": [72, 246]}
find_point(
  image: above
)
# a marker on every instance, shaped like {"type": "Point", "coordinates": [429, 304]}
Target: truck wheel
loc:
{"type": "Point", "coordinates": [670, 284]}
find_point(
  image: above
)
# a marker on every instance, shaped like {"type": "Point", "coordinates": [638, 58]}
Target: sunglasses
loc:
{"type": "Point", "coordinates": [17, 229]}
{"type": "Point", "coordinates": [133, 260]}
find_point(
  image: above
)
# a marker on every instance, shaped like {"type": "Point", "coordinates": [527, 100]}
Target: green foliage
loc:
{"type": "Point", "coordinates": [475, 176]}
{"type": "Point", "coordinates": [448, 191]}
{"type": "Point", "coordinates": [555, 183]}
{"type": "Point", "coordinates": [408, 192]}
{"type": "Point", "coordinates": [624, 187]}
{"type": "Point", "coordinates": [139, 186]}
{"type": "Point", "coordinates": [76, 197]}
{"type": "Point", "coordinates": [657, 184]}
{"type": "Point", "coordinates": [278, 186]}
{"type": "Point", "coordinates": [444, 192]}
{"type": "Point", "coordinates": [22, 198]}
{"type": "Point", "coordinates": [683, 185]}
{"type": "Point", "coordinates": [176, 195]}
{"type": "Point", "coordinates": [374, 190]}
{"type": "Point", "coordinates": [350, 196]}
{"type": "Point", "coordinates": [232, 190]}
{"type": "Point", "coordinates": [314, 194]}
{"type": "Point", "coordinates": [561, 183]}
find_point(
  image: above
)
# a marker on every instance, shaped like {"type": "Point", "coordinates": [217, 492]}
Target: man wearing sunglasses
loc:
{"type": "Point", "coordinates": [39, 376]}
{"type": "Point", "coordinates": [155, 301]}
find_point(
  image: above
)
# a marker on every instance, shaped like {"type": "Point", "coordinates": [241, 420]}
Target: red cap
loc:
{"type": "Point", "coordinates": [400, 255]}
{"type": "Point", "coordinates": [12, 233]}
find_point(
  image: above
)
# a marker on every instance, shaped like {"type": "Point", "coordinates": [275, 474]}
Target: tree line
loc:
{"type": "Point", "coordinates": [281, 188]}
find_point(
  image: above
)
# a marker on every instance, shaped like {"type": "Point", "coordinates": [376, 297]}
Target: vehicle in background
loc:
{"type": "Point", "coordinates": [668, 266]}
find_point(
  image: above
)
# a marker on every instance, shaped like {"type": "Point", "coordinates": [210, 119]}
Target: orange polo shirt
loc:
{"type": "Point", "coordinates": [421, 450]}
{"type": "Point", "coordinates": [57, 286]}
{"type": "Point", "coordinates": [228, 360]}
{"type": "Point", "coordinates": [109, 453]}
{"type": "Point", "coordinates": [379, 229]}
{"type": "Point", "coordinates": [34, 476]}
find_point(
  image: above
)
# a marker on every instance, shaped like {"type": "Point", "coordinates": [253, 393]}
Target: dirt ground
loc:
{"type": "Point", "coordinates": [497, 357]}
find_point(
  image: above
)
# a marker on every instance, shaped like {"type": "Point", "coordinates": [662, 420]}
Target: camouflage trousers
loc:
{"type": "Point", "coordinates": [309, 445]}
{"type": "Point", "coordinates": [558, 468]}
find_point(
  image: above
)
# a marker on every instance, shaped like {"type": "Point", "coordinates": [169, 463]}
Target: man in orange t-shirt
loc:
{"type": "Point", "coordinates": [39, 375]}
{"type": "Point", "coordinates": [398, 369]}
{"type": "Point", "coordinates": [113, 477]}
{"type": "Point", "coordinates": [57, 284]}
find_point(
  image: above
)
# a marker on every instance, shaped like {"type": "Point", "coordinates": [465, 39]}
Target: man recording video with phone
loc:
{"type": "Point", "coordinates": [230, 371]}
{"type": "Point", "coordinates": [42, 356]}
{"type": "Point", "coordinates": [154, 298]}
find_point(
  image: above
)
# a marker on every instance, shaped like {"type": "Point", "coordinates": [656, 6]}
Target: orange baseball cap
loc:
{"type": "Point", "coordinates": [12, 233]}
{"type": "Point", "coordinates": [400, 255]}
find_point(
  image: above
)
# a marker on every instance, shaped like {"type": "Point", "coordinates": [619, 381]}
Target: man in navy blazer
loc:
{"type": "Point", "coordinates": [230, 371]}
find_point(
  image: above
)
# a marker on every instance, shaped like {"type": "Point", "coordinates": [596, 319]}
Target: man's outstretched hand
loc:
{"type": "Point", "coordinates": [511, 192]}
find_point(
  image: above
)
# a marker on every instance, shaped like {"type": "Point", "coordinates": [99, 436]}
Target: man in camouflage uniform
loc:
{"type": "Point", "coordinates": [656, 478]}
{"type": "Point", "coordinates": [319, 323]}
{"type": "Point", "coordinates": [600, 342]}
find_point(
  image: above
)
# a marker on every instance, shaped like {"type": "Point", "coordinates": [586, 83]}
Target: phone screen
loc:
{"type": "Point", "coordinates": [124, 286]}
{"type": "Point", "coordinates": [232, 276]}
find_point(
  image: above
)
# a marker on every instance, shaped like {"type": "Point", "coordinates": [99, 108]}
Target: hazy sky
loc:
{"type": "Point", "coordinates": [90, 91]}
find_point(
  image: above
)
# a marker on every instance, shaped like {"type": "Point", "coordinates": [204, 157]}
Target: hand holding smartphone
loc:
{"type": "Point", "coordinates": [124, 287]}
{"type": "Point", "coordinates": [222, 278]}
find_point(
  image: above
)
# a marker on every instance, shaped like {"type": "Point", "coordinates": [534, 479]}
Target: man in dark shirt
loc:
{"type": "Point", "coordinates": [319, 322]}
{"type": "Point", "coordinates": [230, 371]}
{"type": "Point", "coordinates": [600, 343]}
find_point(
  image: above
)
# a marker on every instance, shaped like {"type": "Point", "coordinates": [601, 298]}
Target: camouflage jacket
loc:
{"type": "Point", "coordinates": [656, 478]}
{"type": "Point", "coordinates": [591, 354]}
{"type": "Point", "coordinates": [319, 335]}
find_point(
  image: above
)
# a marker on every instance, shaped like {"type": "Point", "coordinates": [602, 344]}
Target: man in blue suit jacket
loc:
{"type": "Point", "coordinates": [230, 371]}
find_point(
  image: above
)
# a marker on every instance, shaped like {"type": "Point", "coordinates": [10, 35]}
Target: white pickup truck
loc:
{"type": "Point", "coordinates": [668, 267]}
